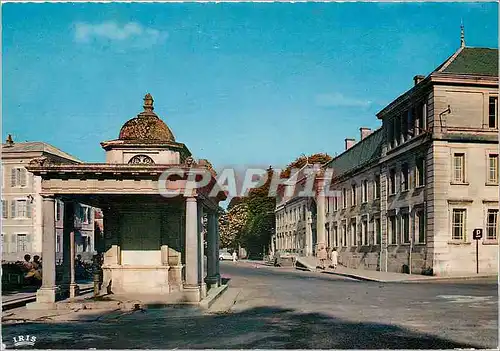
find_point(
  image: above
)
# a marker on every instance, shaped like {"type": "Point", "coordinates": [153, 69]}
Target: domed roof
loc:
{"type": "Point", "coordinates": [147, 126]}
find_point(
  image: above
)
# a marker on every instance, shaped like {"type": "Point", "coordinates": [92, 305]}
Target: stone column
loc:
{"type": "Point", "coordinates": [321, 218]}
{"type": "Point", "coordinates": [68, 224]}
{"type": "Point", "coordinates": [46, 295]}
{"type": "Point", "coordinates": [201, 247]}
{"type": "Point", "coordinates": [217, 248]}
{"type": "Point", "coordinates": [69, 248]}
{"type": "Point", "coordinates": [191, 286]}
{"type": "Point", "coordinates": [212, 255]}
{"type": "Point", "coordinates": [73, 287]}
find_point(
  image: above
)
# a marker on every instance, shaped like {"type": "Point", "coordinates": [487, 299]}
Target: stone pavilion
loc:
{"type": "Point", "coordinates": [152, 244]}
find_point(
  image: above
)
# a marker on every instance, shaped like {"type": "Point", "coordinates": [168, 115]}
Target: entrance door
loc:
{"type": "Point", "coordinates": [140, 238]}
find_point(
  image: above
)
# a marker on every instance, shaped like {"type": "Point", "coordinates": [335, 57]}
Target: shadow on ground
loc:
{"type": "Point", "coordinates": [255, 328]}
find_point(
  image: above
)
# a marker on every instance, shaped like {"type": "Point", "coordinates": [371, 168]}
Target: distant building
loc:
{"type": "Point", "coordinates": [413, 191]}
{"type": "Point", "coordinates": [22, 203]}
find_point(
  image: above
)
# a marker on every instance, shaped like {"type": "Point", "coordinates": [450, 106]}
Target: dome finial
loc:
{"type": "Point", "coordinates": [462, 35]}
{"type": "Point", "coordinates": [148, 103]}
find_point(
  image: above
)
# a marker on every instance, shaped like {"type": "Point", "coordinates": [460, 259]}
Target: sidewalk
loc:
{"type": "Point", "coordinates": [310, 263]}
{"type": "Point", "coordinates": [387, 277]}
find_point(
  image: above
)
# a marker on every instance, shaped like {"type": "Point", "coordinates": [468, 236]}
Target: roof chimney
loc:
{"type": "Point", "coordinates": [418, 78]}
{"type": "Point", "coordinates": [364, 132]}
{"type": "Point", "coordinates": [349, 142]}
{"type": "Point", "coordinates": [9, 141]}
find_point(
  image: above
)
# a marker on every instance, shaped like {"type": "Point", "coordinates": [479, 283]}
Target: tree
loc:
{"type": "Point", "coordinates": [232, 224]}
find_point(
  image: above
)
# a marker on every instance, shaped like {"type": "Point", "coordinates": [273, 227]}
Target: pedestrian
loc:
{"type": "Point", "coordinates": [235, 256]}
{"type": "Point", "coordinates": [334, 258]}
{"type": "Point", "coordinates": [322, 255]}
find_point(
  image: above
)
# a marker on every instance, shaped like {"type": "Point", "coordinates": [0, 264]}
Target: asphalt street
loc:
{"type": "Point", "coordinates": [285, 308]}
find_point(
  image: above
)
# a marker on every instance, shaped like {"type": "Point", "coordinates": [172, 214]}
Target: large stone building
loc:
{"type": "Point", "coordinates": [412, 192]}
{"type": "Point", "coordinates": [22, 203]}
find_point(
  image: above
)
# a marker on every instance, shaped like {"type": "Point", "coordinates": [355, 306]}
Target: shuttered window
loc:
{"type": "Point", "coordinates": [18, 177]}
{"type": "Point", "coordinates": [5, 209]}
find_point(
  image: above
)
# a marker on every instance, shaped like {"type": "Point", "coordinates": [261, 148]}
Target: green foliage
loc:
{"type": "Point", "coordinates": [250, 221]}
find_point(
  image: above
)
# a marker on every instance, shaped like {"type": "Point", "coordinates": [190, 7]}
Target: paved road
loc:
{"type": "Point", "coordinates": [283, 308]}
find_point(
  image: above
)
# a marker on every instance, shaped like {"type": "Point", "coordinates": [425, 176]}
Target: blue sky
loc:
{"type": "Point", "coordinates": [238, 83]}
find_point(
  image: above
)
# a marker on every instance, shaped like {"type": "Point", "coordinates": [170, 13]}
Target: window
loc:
{"type": "Point", "coordinates": [405, 227]}
{"type": "Point", "coordinates": [18, 177]}
{"type": "Point", "coordinates": [344, 198]}
{"type": "Point", "coordinates": [392, 181]}
{"type": "Point", "coordinates": [58, 243]}
{"type": "Point", "coordinates": [58, 210]}
{"type": "Point", "coordinates": [404, 125]}
{"type": "Point", "coordinates": [335, 236]}
{"type": "Point", "coordinates": [420, 226]}
{"type": "Point", "coordinates": [390, 133]}
{"type": "Point", "coordinates": [459, 168]}
{"type": "Point", "coordinates": [21, 208]}
{"type": "Point", "coordinates": [493, 113]}
{"type": "Point", "coordinates": [353, 233]}
{"type": "Point", "coordinates": [22, 243]}
{"type": "Point", "coordinates": [364, 232]}
{"type": "Point", "coordinates": [353, 195]}
{"type": "Point", "coordinates": [376, 186]}
{"type": "Point", "coordinates": [419, 172]}
{"type": "Point", "coordinates": [344, 234]}
{"type": "Point", "coordinates": [405, 177]}
{"type": "Point", "coordinates": [492, 224]}
{"type": "Point", "coordinates": [335, 203]}
{"type": "Point", "coordinates": [493, 169]}
{"type": "Point", "coordinates": [393, 230]}
{"type": "Point", "coordinates": [397, 131]}
{"type": "Point", "coordinates": [328, 204]}
{"type": "Point", "coordinates": [458, 224]}
{"type": "Point", "coordinates": [5, 209]}
{"type": "Point", "coordinates": [378, 232]}
{"type": "Point", "coordinates": [364, 193]}
{"type": "Point", "coordinates": [87, 216]}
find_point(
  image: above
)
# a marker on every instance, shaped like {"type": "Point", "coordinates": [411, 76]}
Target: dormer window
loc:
{"type": "Point", "coordinates": [141, 160]}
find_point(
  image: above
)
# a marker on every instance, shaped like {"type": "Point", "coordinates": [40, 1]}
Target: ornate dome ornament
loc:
{"type": "Point", "coordinates": [141, 160]}
{"type": "Point", "coordinates": [147, 126]}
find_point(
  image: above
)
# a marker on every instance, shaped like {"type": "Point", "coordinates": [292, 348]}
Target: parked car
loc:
{"type": "Point", "coordinates": [224, 255]}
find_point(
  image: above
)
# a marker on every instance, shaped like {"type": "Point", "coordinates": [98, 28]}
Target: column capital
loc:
{"type": "Point", "coordinates": [51, 198]}
{"type": "Point", "coordinates": [191, 199]}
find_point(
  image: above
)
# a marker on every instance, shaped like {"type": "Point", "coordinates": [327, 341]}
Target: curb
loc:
{"type": "Point", "coordinates": [32, 298]}
{"type": "Point", "coordinates": [210, 299]}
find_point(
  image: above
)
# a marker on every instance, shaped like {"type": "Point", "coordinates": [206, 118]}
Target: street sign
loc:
{"type": "Point", "coordinates": [477, 234]}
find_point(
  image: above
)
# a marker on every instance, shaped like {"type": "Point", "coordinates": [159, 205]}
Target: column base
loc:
{"type": "Point", "coordinates": [203, 290]}
{"type": "Point", "coordinates": [212, 282]}
{"type": "Point", "coordinates": [45, 299]}
{"type": "Point", "coordinates": [192, 293]}
{"type": "Point", "coordinates": [74, 290]}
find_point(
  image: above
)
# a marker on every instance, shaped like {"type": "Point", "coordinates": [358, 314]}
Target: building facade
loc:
{"type": "Point", "coordinates": [412, 192]}
{"type": "Point", "coordinates": [22, 204]}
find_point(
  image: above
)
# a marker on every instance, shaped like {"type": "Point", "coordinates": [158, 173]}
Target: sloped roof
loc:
{"type": "Point", "coordinates": [472, 61]}
{"type": "Point", "coordinates": [37, 146]}
{"type": "Point", "coordinates": [361, 153]}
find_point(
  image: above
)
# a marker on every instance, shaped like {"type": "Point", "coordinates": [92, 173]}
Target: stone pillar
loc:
{"type": "Point", "coordinates": [217, 248]}
{"type": "Point", "coordinates": [212, 255]}
{"type": "Point", "coordinates": [46, 295]}
{"type": "Point", "coordinates": [321, 219]}
{"type": "Point", "coordinates": [69, 248]}
{"type": "Point", "coordinates": [201, 247]}
{"type": "Point", "coordinates": [73, 287]}
{"type": "Point", "coordinates": [191, 286]}
{"type": "Point", "coordinates": [68, 218]}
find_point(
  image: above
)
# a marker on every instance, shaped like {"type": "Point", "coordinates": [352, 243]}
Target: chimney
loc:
{"type": "Point", "coordinates": [9, 141]}
{"type": "Point", "coordinates": [349, 142]}
{"type": "Point", "coordinates": [364, 132]}
{"type": "Point", "coordinates": [418, 78]}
